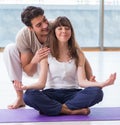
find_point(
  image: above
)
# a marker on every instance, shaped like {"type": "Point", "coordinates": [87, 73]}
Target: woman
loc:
{"type": "Point", "coordinates": [59, 89]}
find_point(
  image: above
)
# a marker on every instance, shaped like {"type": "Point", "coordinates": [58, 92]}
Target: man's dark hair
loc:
{"type": "Point", "coordinates": [30, 13]}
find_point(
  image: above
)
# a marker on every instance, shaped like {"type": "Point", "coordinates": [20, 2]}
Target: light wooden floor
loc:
{"type": "Point", "coordinates": [103, 63]}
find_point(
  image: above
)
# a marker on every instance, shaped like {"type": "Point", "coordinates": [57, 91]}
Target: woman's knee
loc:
{"type": "Point", "coordinates": [99, 93]}
{"type": "Point", "coordinates": [28, 96]}
{"type": "Point", "coordinates": [96, 92]}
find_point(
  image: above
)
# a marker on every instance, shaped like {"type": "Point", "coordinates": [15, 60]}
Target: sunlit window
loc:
{"type": "Point", "coordinates": [111, 2]}
{"type": "Point", "coordinates": [112, 23]}
{"type": "Point", "coordinates": [84, 15]}
{"type": "Point", "coordinates": [51, 2]}
{"type": "Point", "coordinates": [19, 1]}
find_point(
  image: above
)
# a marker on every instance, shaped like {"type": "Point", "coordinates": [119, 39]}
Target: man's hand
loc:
{"type": "Point", "coordinates": [40, 54]}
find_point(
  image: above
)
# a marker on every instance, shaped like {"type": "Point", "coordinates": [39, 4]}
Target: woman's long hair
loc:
{"type": "Point", "coordinates": [74, 49]}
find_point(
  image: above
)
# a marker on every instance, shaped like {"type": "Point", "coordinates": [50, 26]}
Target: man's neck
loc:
{"type": "Point", "coordinates": [42, 39]}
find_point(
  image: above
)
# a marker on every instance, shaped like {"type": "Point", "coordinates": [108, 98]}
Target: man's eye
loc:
{"type": "Point", "coordinates": [45, 20]}
{"type": "Point", "coordinates": [39, 25]}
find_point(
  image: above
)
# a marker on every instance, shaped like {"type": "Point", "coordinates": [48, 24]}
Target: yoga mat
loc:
{"type": "Point", "coordinates": [31, 115]}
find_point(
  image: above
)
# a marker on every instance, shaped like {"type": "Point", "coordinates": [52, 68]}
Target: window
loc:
{"type": "Point", "coordinates": [112, 23]}
{"type": "Point", "coordinates": [93, 29]}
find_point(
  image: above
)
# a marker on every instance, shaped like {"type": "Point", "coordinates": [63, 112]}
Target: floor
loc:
{"type": "Point", "coordinates": [103, 64]}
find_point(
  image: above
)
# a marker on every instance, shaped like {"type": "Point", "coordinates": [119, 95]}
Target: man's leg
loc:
{"type": "Point", "coordinates": [12, 62]}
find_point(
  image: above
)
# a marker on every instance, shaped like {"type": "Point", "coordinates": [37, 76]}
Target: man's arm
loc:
{"type": "Point", "coordinates": [28, 67]}
{"type": "Point", "coordinates": [29, 61]}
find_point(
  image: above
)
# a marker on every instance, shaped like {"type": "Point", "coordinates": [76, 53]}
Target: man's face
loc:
{"type": "Point", "coordinates": [40, 25]}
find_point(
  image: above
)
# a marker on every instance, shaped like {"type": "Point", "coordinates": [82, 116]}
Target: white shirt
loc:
{"type": "Point", "coordinates": [61, 75]}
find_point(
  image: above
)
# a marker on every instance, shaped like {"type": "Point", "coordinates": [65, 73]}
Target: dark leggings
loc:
{"type": "Point", "coordinates": [50, 101]}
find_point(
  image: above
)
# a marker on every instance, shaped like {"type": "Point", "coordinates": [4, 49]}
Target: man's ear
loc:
{"type": "Point", "coordinates": [30, 28]}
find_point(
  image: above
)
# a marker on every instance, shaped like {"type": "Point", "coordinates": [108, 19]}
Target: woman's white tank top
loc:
{"type": "Point", "coordinates": [61, 75]}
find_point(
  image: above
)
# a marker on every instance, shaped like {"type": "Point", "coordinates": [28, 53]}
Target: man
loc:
{"type": "Point", "coordinates": [29, 50]}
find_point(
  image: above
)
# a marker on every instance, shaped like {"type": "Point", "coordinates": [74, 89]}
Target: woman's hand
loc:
{"type": "Point", "coordinates": [109, 81]}
{"type": "Point", "coordinates": [92, 79]}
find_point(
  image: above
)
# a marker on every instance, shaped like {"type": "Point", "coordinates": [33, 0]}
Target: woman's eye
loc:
{"type": "Point", "coordinates": [59, 28]}
{"type": "Point", "coordinates": [67, 28]}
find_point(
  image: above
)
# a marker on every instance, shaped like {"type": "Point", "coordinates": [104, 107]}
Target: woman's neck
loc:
{"type": "Point", "coordinates": [64, 53]}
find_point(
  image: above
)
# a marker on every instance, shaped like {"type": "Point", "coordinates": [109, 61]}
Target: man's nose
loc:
{"type": "Point", "coordinates": [45, 25]}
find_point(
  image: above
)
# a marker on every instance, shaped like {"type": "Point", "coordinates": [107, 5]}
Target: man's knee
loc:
{"type": "Point", "coordinates": [10, 50]}
{"type": "Point", "coordinates": [10, 47]}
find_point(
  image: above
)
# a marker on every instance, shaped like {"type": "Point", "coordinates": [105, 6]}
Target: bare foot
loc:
{"type": "Point", "coordinates": [17, 104]}
{"type": "Point", "coordinates": [67, 111]}
{"type": "Point", "coordinates": [83, 111]}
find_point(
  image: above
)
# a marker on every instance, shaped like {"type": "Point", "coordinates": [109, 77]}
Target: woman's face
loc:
{"type": "Point", "coordinates": [63, 33]}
